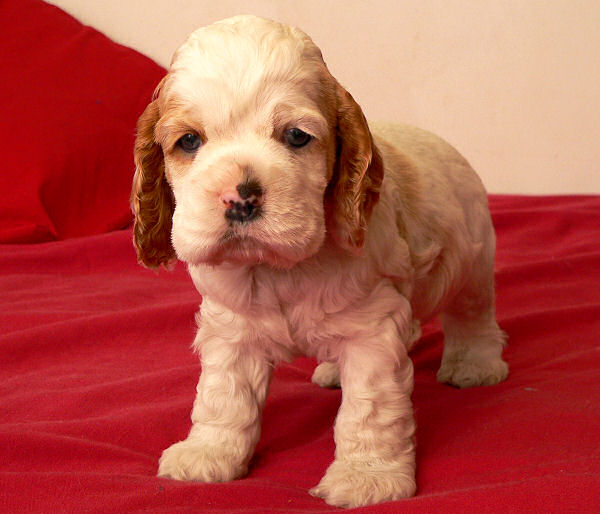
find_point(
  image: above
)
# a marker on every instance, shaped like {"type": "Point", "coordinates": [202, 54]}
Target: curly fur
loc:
{"type": "Point", "coordinates": [362, 233]}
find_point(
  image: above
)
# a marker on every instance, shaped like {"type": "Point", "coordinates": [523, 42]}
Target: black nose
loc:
{"type": "Point", "coordinates": [244, 205]}
{"type": "Point", "coordinates": [249, 189]}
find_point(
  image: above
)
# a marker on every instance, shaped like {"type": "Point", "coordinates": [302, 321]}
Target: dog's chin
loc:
{"type": "Point", "coordinates": [245, 251]}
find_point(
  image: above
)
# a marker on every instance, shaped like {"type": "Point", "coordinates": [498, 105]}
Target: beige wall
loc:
{"type": "Point", "coordinates": [513, 84]}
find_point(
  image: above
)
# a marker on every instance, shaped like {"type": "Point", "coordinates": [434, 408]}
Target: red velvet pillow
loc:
{"type": "Point", "coordinates": [69, 101]}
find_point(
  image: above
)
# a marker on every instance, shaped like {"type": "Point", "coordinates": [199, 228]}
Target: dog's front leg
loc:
{"type": "Point", "coordinates": [374, 430]}
{"type": "Point", "coordinates": [226, 415]}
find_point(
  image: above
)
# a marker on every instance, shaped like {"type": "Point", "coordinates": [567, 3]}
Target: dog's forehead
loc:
{"type": "Point", "coordinates": [241, 63]}
{"type": "Point", "coordinates": [246, 37]}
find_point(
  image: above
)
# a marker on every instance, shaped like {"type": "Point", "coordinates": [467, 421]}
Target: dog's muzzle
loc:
{"type": "Point", "coordinates": [243, 204]}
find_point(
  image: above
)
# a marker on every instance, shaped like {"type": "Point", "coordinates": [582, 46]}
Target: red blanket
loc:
{"type": "Point", "coordinates": [97, 378]}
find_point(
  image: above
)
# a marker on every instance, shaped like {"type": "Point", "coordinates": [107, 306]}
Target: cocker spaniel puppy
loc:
{"type": "Point", "coordinates": [308, 232]}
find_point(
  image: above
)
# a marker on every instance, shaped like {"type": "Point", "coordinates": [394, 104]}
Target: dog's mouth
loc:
{"type": "Point", "coordinates": [246, 250]}
{"type": "Point", "coordinates": [244, 244]}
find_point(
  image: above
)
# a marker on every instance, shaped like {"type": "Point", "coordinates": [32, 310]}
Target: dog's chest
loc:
{"type": "Point", "coordinates": [317, 305]}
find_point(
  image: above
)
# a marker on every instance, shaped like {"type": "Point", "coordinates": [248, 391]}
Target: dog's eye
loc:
{"type": "Point", "coordinates": [296, 137]}
{"type": "Point", "coordinates": [189, 142]}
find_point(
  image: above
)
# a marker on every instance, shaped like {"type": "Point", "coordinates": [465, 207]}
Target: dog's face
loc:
{"type": "Point", "coordinates": [251, 152]}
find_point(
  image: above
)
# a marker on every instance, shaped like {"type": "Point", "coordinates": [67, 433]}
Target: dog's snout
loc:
{"type": "Point", "coordinates": [243, 203]}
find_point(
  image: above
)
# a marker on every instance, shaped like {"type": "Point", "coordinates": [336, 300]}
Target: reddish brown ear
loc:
{"type": "Point", "coordinates": [358, 173]}
{"type": "Point", "coordinates": [151, 196]}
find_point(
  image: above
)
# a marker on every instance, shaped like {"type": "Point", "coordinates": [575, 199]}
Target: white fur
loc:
{"type": "Point", "coordinates": [283, 287]}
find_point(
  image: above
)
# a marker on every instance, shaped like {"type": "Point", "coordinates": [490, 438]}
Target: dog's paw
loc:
{"type": "Point", "coordinates": [353, 484]}
{"type": "Point", "coordinates": [469, 371]}
{"type": "Point", "coordinates": [193, 460]}
{"type": "Point", "coordinates": [326, 374]}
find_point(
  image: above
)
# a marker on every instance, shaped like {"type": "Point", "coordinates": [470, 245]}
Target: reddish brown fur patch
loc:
{"type": "Point", "coordinates": [358, 174]}
{"type": "Point", "coordinates": [151, 197]}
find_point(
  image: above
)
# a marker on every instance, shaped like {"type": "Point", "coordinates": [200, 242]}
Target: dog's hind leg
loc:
{"type": "Point", "coordinates": [473, 341]}
{"type": "Point", "coordinates": [327, 374]}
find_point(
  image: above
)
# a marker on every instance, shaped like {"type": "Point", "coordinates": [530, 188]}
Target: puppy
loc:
{"type": "Point", "coordinates": [308, 232]}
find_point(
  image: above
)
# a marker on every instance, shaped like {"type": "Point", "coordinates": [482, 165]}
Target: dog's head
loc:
{"type": "Point", "coordinates": [251, 152]}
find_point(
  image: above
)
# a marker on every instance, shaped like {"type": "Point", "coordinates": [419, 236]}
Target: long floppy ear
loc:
{"type": "Point", "coordinates": [151, 196]}
{"type": "Point", "coordinates": [358, 173]}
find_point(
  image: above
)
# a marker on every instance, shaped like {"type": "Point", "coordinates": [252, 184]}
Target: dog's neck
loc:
{"type": "Point", "coordinates": [242, 287]}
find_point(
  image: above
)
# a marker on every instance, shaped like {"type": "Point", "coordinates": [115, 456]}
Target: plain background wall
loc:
{"type": "Point", "coordinates": [513, 84]}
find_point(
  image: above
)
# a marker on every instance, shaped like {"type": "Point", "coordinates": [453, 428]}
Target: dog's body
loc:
{"type": "Point", "coordinates": [305, 234]}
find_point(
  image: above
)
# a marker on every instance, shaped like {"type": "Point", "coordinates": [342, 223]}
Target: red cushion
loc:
{"type": "Point", "coordinates": [69, 100]}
